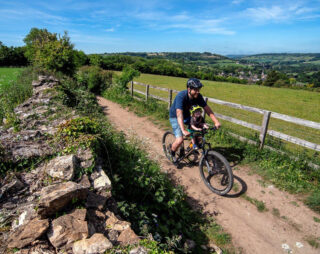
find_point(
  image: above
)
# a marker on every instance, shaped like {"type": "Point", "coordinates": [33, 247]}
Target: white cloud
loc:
{"type": "Point", "coordinates": [237, 1]}
{"type": "Point", "coordinates": [110, 29]}
{"type": "Point", "coordinates": [265, 14]}
{"type": "Point", "coordinates": [288, 11]}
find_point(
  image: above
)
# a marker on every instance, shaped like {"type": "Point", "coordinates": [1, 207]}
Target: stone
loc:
{"type": "Point", "coordinates": [95, 201]}
{"type": "Point", "coordinates": [86, 158]}
{"type": "Point", "coordinates": [128, 236]}
{"type": "Point", "coordinates": [11, 188]}
{"type": "Point", "coordinates": [62, 167]}
{"type": "Point", "coordinates": [85, 181]}
{"type": "Point", "coordinates": [96, 222]}
{"type": "Point", "coordinates": [28, 233]}
{"type": "Point", "coordinates": [67, 229]}
{"type": "Point", "coordinates": [113, 223]}
{"type": "Point", "coordinates": [97, 244]}
{"type": "Point", "coordinates": [100, 180]}
{"type": "Point", "coordinates": [55, 197]}
{"type": "Point", "coordinates": [27, 215]}
{"type": "Point", "coordinates": [113, 236]}
{"type": "Point", "coordinates": [139, 250]}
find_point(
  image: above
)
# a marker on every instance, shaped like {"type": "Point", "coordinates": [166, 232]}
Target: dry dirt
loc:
{"type": "Point", "coordinates": [284, 228]}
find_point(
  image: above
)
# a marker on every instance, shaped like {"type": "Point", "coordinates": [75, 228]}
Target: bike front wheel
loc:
{"type": "Point", "coordinates": [216, 173]}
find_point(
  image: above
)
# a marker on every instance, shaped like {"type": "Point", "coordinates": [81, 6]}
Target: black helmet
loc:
{"type": "Point", "coordinates": [194, 83]}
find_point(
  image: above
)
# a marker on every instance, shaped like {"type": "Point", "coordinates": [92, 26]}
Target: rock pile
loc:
{"type": "Point", "coordinates": [47, 210]}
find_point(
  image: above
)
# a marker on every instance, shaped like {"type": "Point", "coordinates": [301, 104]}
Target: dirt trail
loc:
{"type": "Point", "coordinates": [286, 224]}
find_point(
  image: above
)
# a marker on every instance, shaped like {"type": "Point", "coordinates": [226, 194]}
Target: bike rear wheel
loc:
{"type": "Point", "coordinates": [167, 140]}
{"type": "Point", "coordinates": [216, 173]}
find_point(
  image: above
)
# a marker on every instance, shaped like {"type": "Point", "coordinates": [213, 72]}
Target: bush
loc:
{"type": "Point", "coordinates": [94, 79]}
{"type": "Point", "coordinates": [128, 73]}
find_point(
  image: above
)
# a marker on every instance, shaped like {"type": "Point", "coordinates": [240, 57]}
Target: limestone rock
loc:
{"type": "Point", "coordinates": [62, 167]}
{"type": "Point", "coordinates": [57, 196]}
{"type": "Point", "coordinates": [27, 215]}
{"type": "Point", "coordinates": [127, 237]}
{"type": "Point", "coordinates": [97, 244]}
{"type": "Point", "coordinates": [11, 188]}
{"type": "Point", "coordinates": [100, 180]}
{"type": "Point", "coordinates": [67, 229]}
{"type": "Point", "coordinates": [139, 250]}
{"type": "Point", "coordinates": [113, 223]}
{"type": "Point", "coordinates": [85, 181]}
{"type": "Point", "coordinates": [28, 233]}
{"type": "Point", "coordinates": [95, 201]}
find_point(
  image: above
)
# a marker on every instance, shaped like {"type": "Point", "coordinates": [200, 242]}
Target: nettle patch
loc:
{"type": "Point", "coordinates": [79, 132]}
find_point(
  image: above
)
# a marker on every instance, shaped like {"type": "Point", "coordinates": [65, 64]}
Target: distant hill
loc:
{"type": "Point", "coordinates": [283, 58]}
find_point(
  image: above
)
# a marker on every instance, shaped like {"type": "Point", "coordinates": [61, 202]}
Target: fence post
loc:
{"type": "Point", "coordinates": [147, 92]}
{"type": "Point", "coordinates": [131, 88]}
{"type": "Point", "coordinates": [264, 128]}
{"type": "Point", "coordinates": [204, 113]}
{"type": "Point", "coordinates": [170, 99]}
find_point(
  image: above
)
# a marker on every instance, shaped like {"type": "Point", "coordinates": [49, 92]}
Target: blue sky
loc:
{"type": "Point", "coordinates": [217, 26]}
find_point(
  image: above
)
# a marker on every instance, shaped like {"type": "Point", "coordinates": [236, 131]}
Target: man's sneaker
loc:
{"type": "Point", "coordinates": [172, 156]}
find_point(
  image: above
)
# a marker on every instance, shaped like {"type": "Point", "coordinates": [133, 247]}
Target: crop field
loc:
{"type": "Point", "coordinates": [8, 75]}
{"type": "Point", "coordinates": [298, 103]}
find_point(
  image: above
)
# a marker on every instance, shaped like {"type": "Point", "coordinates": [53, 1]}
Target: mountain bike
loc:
{"type": "Point", "coordinates": [214, 169]}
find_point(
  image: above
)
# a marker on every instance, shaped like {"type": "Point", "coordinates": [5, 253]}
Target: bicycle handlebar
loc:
{"type": "Point", "coordinates": [205, 131]}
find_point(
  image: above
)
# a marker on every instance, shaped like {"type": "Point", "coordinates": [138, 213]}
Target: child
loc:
{"type": "Point", "coordinates": [196, 123]}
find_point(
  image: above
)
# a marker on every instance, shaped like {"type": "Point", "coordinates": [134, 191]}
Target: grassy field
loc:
{"type": "Point", "coordinates": [298, 103]}
{"type": "Point", "coordinates": [8, 75]}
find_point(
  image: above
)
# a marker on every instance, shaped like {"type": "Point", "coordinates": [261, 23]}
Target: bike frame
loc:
{"type": "Point", "coordinates": [202, 147]}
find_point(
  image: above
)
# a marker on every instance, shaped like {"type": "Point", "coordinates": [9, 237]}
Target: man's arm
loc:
{"type": "Point", "coordinates": [209, 112]}
{"type": "Point", "coordinates": [180, 122]}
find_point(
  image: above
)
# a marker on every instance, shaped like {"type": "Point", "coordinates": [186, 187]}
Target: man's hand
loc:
{"type": "Point", "coordinates": [217, 124]}
{"type": "Point", "coordinates": [186, 133]}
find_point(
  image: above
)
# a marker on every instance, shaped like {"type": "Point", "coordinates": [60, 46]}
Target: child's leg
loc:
{"type": "Point", "coordinates": [193, 140]}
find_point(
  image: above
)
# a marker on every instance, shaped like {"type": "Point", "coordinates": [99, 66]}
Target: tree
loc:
{"type": "Point", "coordinates": [128, 73]}
{"type": "Point", "coordinates": [50, 51]}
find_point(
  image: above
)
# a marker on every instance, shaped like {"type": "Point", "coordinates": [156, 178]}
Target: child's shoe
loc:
{"type": "Point", "coordinates": [195, 147]}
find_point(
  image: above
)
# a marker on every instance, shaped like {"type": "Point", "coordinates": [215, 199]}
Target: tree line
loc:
{"type": "Point", "coordinates": [55, 52]}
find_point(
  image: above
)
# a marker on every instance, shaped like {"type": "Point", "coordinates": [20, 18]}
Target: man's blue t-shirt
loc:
{"type": "Point", "coordinates": [183, 102]}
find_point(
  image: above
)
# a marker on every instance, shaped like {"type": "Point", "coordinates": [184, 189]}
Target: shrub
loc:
{"type": "Point", "coordinates": [128, 73]}
{"type": "Point", "coordinates": [94, 79]}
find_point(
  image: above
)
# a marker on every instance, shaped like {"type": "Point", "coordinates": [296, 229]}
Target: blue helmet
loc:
{"type": "Point", "coordinates": [194, 83]}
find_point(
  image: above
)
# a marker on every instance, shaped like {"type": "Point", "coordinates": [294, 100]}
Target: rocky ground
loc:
{"type": "Point", "coordinates": [49, 209]}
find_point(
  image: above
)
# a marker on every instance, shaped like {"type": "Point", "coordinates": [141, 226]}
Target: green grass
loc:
{"type": "Point", "coordinates": [316, 219]}
{"type": "Point", "coordinates": [297, 103]}
{"type": "Point", "coordinates": [259, 204]}
{"type": "Point", "coordinates": [8, 76]}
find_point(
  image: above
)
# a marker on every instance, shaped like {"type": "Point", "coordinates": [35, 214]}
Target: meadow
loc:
{"type": "Point", "coordinates": [297, 103]}
{"type": "Point", "coordinates": [8, 76]}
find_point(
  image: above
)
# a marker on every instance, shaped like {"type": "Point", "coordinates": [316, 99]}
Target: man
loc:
{"type": "Point", "coordinates": [179, 113]}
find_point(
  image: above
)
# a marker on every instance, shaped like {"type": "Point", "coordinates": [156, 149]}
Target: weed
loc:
{"type": "Point", "coordinates": [316, 219]}
{"type": "Point", "coordinates": [313, 201]}
{"type": "Point", "coordinates": [313, 241]}
{"type": "Point", "coordinates": [276, 212]}
{"type": "Point", "coordinates": [235, 187]}
{"type": "Point", "coordinates": [262, 183]}
{"type": "Point", "coordinates": [259, 204]}
{"type": "Point", "coordinates": [294, 203]}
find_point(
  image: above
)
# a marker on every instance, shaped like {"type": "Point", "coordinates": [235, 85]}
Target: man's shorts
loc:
{"type": "Point", "coordinates": [175, 126]}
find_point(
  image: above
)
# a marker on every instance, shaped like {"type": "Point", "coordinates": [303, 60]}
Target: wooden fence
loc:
{"type": "Point", "coordinates": [263, 128]}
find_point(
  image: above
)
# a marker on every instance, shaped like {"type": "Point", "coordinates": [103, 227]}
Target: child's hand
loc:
{"type": "Point", "coordinates": [205, 126]}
